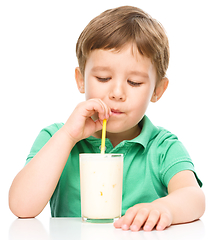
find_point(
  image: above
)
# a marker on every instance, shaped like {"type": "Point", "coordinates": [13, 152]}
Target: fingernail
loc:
{"type": "Point", "coordinates": [159, 228]}
{"type": "Point", "coordinates": [147, 228]}
{"type": "Point", "coordinates": [134, 228]}
{"type": "Point", "coordinates": [125, 227]}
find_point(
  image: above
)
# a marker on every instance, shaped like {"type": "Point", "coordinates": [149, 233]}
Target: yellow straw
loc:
{"type": "Point", "coordinates": [103, 137]}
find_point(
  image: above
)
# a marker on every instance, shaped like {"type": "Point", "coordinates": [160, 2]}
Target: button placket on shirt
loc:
{"type": "Point", "coordinates": [108, 146]}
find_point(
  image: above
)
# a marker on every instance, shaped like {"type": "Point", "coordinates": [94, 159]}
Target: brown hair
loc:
{"type": "Point", "coordinates": [116, 27]}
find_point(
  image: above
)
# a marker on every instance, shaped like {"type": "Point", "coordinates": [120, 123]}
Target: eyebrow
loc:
{"type": "Point", "coordinates": [106, 68]}
{"type": "Point", "coordinates": [100, 68]}
{"type": "Point", "coordinates": [141, 74]}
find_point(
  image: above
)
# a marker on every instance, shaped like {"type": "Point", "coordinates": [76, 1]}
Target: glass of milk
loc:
{"type": "Point", "coordinates": [101, 177]}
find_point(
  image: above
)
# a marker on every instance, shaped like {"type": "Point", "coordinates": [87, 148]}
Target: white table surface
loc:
{"type": "Point", "coordinates": [74, 228]}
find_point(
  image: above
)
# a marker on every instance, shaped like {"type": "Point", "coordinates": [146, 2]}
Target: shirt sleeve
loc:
{"type": "Point", "coordinates": [42, 138]}
{"type": "Point", "coordinates": [173, 158]}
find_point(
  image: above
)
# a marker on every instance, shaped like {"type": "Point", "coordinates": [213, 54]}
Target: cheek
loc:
{"type": "Point", "coordinates": [90, 90]}
{"type": "Point", "coordinates": [142, 99]}
{"type": "Point", "coordinates": [141, 108]}
{"type": "Point", "coordinates": [95, 90]}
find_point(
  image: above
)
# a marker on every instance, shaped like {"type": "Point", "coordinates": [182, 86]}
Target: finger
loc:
{"type": "Point", "coordinates": [95, 106]}
{"type": "Point", "coordinates": [104, 112]}
{"type": "Point", "coordinates": [152, 220]}
{"type": "Point", "coordinates": [118, 223]}
{"type": "Point", "coordinates": [128, 218]}
{"type": "Point", "coordinates": [140, 219]}
{"type": "Point", "coordinates": [165, 221]}
{"type": "Point", "coordinates": [98, 107]}
{"type": "Point", "coordinates": [107, 110]}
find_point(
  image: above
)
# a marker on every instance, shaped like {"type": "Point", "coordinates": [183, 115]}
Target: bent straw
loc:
{"type": "Point", "coordinates": [103, 137]}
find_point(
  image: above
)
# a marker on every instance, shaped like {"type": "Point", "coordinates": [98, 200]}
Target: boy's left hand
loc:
{"type": "Point", "coordinates": [146, 215]}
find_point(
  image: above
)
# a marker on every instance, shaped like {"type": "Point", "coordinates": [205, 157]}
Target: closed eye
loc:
{"type": "Point", "coordinates": [134, 84]}
{"type": "Point", "coordinates": [103, 79]}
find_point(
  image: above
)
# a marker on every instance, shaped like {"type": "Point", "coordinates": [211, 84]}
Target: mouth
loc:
{"type": "Point", "coordinates": [116, 112]}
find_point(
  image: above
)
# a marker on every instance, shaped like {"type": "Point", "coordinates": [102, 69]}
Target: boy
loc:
{"type": "Point", "coordinates": [123, 56]}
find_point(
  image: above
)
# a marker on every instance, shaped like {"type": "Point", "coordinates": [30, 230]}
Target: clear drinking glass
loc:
{"type": "Point", "coordinates": [101, 177]}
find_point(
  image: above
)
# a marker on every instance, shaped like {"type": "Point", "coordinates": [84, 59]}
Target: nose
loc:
{"type": "Point", "coordinates": [117, 92]}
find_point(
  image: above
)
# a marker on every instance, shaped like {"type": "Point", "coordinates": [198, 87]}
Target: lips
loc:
{"type": "Point", "coordinates": [116, 112]}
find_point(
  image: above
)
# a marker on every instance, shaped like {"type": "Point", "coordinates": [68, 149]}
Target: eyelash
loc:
{"type": "Point", "coordinates": [133, 84]}
{"type": "Point", "coordinates": [103, 79]}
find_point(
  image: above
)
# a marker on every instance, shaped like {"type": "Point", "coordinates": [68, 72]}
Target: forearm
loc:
{"type": "Point", "coordinates": [185, 204]}
{"type": "Point", "coordinates": [35, 183]}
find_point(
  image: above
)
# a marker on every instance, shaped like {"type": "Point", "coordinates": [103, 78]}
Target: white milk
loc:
{"type": "Point", "coordinates": [101, 185]}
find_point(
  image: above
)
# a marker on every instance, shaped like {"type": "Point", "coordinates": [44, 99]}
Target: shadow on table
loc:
{"type": "Point", "coordinates": [74, 228]}
{"type": "Point", "coordinates": [27, 229]}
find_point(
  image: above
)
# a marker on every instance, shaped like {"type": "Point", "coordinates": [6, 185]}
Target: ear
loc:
{"type": "Point", "coordinates": [79, 80]}
{"type": "Point", "coordinates": [160, 89]}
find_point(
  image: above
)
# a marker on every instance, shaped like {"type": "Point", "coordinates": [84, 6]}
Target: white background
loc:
{"type": "Point", "coordinates": [37, 87]}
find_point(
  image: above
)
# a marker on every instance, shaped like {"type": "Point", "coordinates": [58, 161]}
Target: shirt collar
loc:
{"type": "Point", "coordinates": [148, 132]}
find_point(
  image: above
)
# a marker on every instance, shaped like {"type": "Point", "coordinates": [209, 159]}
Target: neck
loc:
{"type": "Point", "coordinates": [116, 138]}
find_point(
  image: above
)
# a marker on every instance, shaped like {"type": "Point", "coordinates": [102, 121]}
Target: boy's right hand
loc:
{"type": "Point", "coordinates": [80, 125]}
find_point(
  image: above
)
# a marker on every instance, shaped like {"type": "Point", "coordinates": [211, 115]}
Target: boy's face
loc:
{"type": "Point", "coordinates": [124, 80]}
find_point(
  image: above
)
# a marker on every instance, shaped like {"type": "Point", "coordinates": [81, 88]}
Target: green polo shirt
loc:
{"type": "Point", "coordinates": [150, 161]}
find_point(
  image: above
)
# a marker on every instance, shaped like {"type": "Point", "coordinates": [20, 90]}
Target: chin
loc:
{"type": "Point", "coordinates": [116, 128]}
